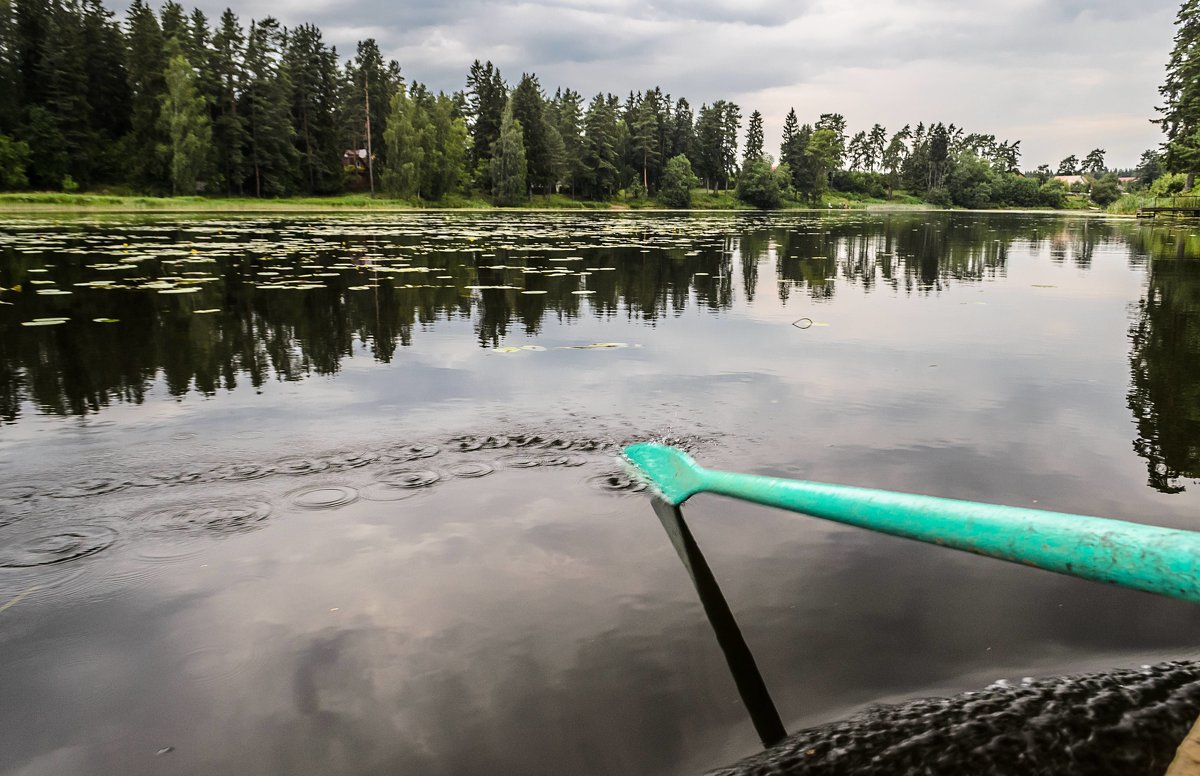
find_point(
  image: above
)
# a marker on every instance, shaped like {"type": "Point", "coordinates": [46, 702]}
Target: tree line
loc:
{"type": "Point", "coordinates": [169, 102]}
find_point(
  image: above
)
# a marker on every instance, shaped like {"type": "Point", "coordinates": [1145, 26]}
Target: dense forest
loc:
{"type": "Point", "coordinates": [174, 103]}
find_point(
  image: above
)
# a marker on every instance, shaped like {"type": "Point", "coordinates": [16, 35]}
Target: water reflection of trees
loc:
{"type": "Point", "coordinates": [1164, 361]}
{"type": "Point", "coordinates": [262, 334]}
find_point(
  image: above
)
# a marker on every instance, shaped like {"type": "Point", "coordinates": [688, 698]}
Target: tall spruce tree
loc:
{"type": "Point", "coordinates": [229, 126]}
{"type": "Point", "coordinates": [508, 161]}
{"type": "Point", "coordinates": [312, 72]}
{"type": "Point", "coordinates": [146, 65]}
{"type": "Point", "coordinates": [486, 96]}
{"type": "Point", "coordinates": [567, 117]}
{"type": "Point", "coordinates": [754, 137]}
{"type": "Point", "coordinates": [529, 108]}
{"type": "Point", "coordinates": [683, 131]}
{"type": "Point", "coordinates": [731, 124]}
{"type": "Point", "coordinates": [271, 157]}
{"type": "Point", "coordinates": [62, 72]}
{"type": "Point", "coordinates": [602, 151]}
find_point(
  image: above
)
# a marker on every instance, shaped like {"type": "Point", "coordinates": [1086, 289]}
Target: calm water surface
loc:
{"type": "Point", "coordinates": [338, 494]}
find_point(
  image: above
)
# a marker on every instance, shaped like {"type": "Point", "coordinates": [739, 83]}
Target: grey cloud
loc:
{"type": "Point", "coordinates": [1036, 65]}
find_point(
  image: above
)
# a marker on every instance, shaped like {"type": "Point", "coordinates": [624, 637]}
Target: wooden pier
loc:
{"type": "Point", "coordinates": [1188, 207]}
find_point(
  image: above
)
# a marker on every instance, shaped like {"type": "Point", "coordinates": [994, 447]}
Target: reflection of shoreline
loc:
{"type": "Point", "coordinates": [346, 284]}
{"type": "Point", "coordinates": [1164, 363]}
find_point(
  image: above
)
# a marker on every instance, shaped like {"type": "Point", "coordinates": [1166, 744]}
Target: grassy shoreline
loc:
{"type": "Point", "coordinates": [56, 202]}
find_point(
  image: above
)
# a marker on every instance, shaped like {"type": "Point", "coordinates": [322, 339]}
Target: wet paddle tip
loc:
{"type": "Point", "coordinates": [670, 473]}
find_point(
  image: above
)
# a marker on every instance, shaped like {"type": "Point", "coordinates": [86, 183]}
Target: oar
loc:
{"type": "Point", "coordinates": [1144, 557]}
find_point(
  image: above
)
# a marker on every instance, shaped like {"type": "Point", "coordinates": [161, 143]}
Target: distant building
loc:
{"type": "Point", "coordinates": [1071, 180]}
{"type": "Point", "coordinates": [355, 157]}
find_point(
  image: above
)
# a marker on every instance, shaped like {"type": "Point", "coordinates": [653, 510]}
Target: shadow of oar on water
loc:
{"type": "Point", "coordinates": [745, 671]}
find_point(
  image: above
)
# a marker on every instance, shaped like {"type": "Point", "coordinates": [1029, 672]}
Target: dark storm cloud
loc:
{"type": "Point", "coordinates": [1063, 75]}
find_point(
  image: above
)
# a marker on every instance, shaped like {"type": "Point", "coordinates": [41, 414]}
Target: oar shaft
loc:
{"type": "Point", "coordinates": [1150, 558]}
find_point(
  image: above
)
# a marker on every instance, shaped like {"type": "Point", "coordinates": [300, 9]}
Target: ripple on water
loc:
{"type": "Point", "coordinates": [213, 665]}
{"type": "Point", "coordinates": [241, 471]}
{"type": "Point", "coordinates": [298, 466]}
{"type": "Point", "coordinates": [323, 497]}
{"type": "Point", "coordinates": [528, 440]}
{"type": "Point", "coordinates": [405, 453]}
{"type": "Point", "coordinates": [409, 478]}
{"type": "Point", "coordinates": [166, 479]}
{"type": "Point", "coordinates": [17, 502]}
{"type": "Point", "coordinates": [523, 461]}
{"type": "Point", "coordinates": [469, 443]}
{"type": "Point", "coordinates": [97, 486]}
{"type": "Point", "coordinates": [50, 545]}
{"type": "Point", "coordinates": [616, 482]}
{"type": "Point", "coordinates": [352, 460]}
{"type": "Point", "coordinates": [471, 469]}
{"type": "Point", "coordinates": [223, 517]}
{"type": "Point", "coordinates": [402, 483]}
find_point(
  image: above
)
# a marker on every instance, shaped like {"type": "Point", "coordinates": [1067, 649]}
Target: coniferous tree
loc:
{"type": "Point", "coordinates": [707, 155]}
{"type": "Point", "coordinates": [1094, 162]}
{"type": "Point", "coordinates": [62, 74]}
{"type": "Point", "coordinates": [644, 149]}
{"type": "Point", "coordinates": [856, 152]}
{"type": "Point", "coordinates": [486, 96]}
{"type": "Point", "coordinates": [683, 130]}
{"type": "Point", "coordinates": [529, 108]}
{"type": "Point", "coordinates": [229, 126]}
{"type": "Point", "coordinates": [731, 124]}
{"type": "Point", "coordinates": [270, 140]}
{"type": "Point", "coordinates": [372, 83]}
{"type": "Point", "coordinates": [146, 65]}
{"type": "Point", "coordinates": [107, 90]}
{"type": "Point", "coordinates": [312, 71]}
{"type": "Point", "coordinates": [601, 157]}
{"type": "Point", "coordinates": [876, 144]}
{"type": "Point", "coordinates": [789, 150]}
{"type": "Point", "coordinates": [754, 137]}
{"type": "Point", "coordinates": [894, 156]}
{"type": "Point", "coordinates": [29, 20]}
{"type": "Point", "coordinates": [508, 161]}
{"type": "Point", "coordinates": [10, 70]}
{"type": "Point", "coordinates": [567, 117]}
{"type": "Point", "coordinates": [1180, 110]}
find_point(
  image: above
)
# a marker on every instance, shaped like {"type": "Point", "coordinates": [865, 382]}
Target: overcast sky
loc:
{"type": "Point", "coordinates": [1063, 76]}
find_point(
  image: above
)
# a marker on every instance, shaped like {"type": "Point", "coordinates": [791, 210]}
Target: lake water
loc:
{"type": "Point", "coordinates": [339, 494]}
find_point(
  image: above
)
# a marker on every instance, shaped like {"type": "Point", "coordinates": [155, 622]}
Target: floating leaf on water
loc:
{"type": "Point", "coordinates": [53, 292]}
{"type": "Point", "coordinates": [192, 290]}
{"type": "Point", "coordinates": [106, 320]}
{"type": "Point", "coordinates": [536, 348]}
{"type": "Point", "coordinates": [358, 288]}
{"type": "Point", "coordinates": [598, 346]}
{"type": "Point", "coordinates": [45, 322]}
{"type": "Point", "coordinates": [535, 292]}
{"type": "Point", "coordinates": [205, 312]}
{"type": "Point", "coordinates": [582, 293]}
{"type": "Point", "coordinates": [506, 350]}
